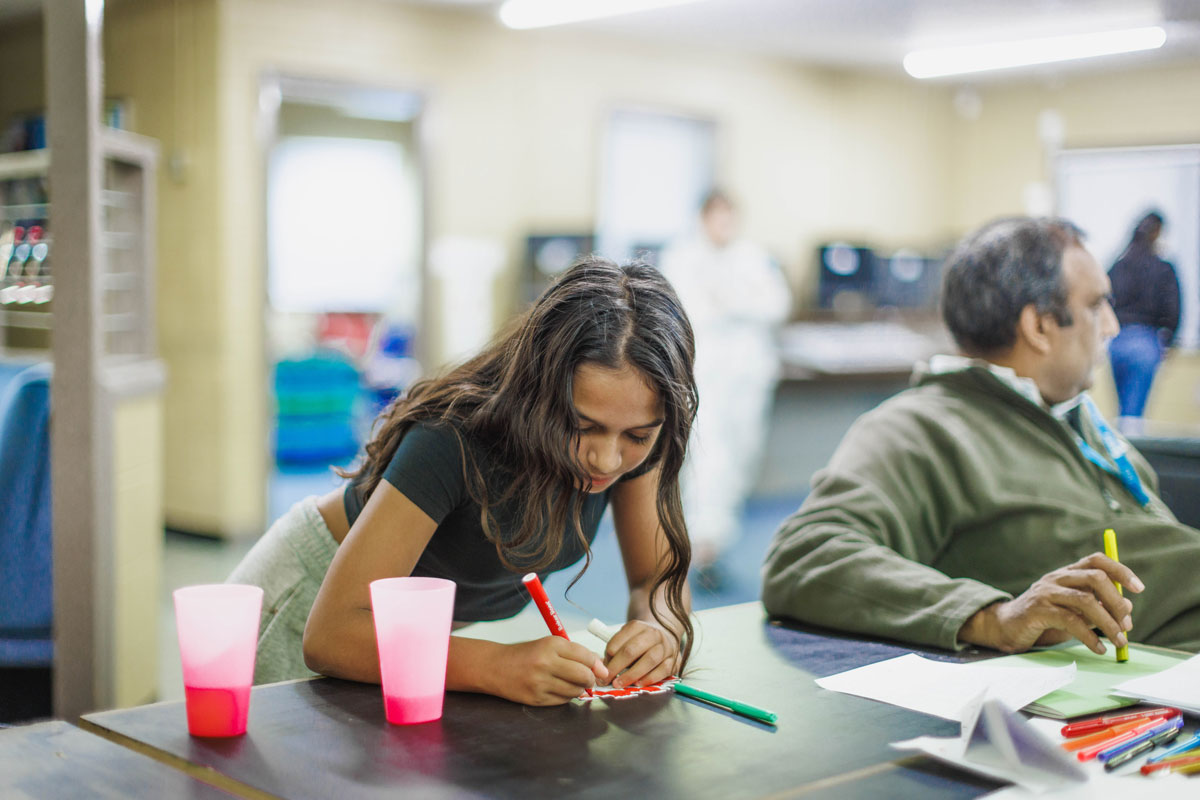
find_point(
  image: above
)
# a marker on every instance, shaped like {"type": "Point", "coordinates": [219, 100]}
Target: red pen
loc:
{"type": "Point", "coordinates": [533, 585]}
{"type": "Point", "coordinates": [1090, 725]}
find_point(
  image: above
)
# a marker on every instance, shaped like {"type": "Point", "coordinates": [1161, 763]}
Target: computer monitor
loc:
{"type": "Point", "coordinates": [846, 272]}
{"type": "Point", "coordinates": [907, 279]}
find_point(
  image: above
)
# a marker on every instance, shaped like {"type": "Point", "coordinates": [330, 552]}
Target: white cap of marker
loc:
{"type": "Point", "coordinates": [601, 631]}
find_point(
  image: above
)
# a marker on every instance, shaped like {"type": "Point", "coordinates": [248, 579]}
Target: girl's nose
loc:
{"type": "Point", "coordinates": [605, 457]}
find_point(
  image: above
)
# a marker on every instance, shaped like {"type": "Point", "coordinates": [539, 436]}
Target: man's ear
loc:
{"type": "Point", "coordinates": [1033, 327]}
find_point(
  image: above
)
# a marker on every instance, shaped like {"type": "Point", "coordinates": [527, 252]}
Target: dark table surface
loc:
{"type": "Point", "coordinates": [56, 759]}
{"type": "Point", "coordinates": [325, 737]}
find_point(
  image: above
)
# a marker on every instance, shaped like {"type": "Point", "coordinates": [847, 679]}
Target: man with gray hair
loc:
{"type": "Point", "coordinates": [970, 508]}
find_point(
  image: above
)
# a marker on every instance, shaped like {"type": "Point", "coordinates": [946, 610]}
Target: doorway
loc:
{"type": "Point", "coordinates": [345, 255]}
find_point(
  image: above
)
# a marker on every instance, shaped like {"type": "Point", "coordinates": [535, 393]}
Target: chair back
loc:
{"type": "Point", "coordinates": [26, 596]}
{"type": "Point", "coordinates": [1177, 462]}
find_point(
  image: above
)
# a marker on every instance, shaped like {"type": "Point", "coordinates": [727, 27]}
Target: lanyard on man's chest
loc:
{"type": "Point", "coordinates": [1117, 462]}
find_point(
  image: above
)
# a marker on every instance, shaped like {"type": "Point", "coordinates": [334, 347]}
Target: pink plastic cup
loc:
{"type": "Point", "coordinates": [218, 634]}
{"type": "Point", "coordinates": [412, 629]}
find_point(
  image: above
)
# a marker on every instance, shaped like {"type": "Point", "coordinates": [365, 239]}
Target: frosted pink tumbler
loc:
{"type": "Point", "coordinates": [218, 634]}
{"type": "Point", "coordinates": [412, 629]}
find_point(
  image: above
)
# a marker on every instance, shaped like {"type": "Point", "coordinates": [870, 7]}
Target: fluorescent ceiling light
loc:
{"type": "Point", "coordinates": [1003, 55]}
{"type": "Point", "coordinates": [521, 14]}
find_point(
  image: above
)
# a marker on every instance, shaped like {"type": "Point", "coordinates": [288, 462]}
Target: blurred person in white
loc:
{"type": "Point", "coordinates": [735, 296]}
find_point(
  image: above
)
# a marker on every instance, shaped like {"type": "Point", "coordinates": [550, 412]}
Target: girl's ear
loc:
{"type": "Point", "coordinates": [1033, 328]}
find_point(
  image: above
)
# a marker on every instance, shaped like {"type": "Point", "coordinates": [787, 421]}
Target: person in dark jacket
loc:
{"type": "Point", "coordinates": [1146, 300]}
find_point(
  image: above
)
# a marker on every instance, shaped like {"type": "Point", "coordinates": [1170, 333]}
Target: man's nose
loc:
{"type": "Point", "coordinates": [1110, 326]}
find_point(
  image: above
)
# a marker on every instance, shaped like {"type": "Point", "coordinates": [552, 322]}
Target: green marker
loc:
{"type": "Point", "coordinates": [744, 709]}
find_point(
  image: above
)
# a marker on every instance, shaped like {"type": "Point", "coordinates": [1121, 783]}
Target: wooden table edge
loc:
{"type": "Point", "coordinates": [208, 775]}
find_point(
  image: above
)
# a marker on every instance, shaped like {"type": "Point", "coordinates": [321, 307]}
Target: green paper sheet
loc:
{"type": "Point", "coordinates": [1095, 677]}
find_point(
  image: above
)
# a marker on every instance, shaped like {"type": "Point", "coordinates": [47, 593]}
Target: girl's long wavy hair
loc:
{"type": "Point", "coordinates": [516, 399]}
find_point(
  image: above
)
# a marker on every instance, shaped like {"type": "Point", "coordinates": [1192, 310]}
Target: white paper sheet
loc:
{"type": "Point", "coordinates": [947, 690]}
{"type": "Point", "coordinates": [1178, 686]}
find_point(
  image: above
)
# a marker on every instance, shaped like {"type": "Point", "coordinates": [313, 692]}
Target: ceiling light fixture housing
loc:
{"type": "Point", "coordinates": [940, 62]}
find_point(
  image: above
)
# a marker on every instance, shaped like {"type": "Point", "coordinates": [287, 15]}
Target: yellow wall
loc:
{"type": "Point", "coordinates": [998, 154]}
{"type": "Point", "coordinates": [515, 122]}
{"type": "Point", "coordinates": [163, 59]}
{"type": "Point", "coordinates": [513, 129]}
{"type": "Point", "coordinates": [1175, 397]}
{"type": "Point", "coordinates": [138, 543]}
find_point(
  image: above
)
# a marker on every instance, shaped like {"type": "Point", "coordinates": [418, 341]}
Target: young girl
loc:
{"type": "Point", "coordinates": [502, 467]}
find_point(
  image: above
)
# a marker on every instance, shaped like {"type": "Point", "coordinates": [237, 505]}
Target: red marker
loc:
{"type": "Point", "coordinates": [1088, 726]}
{"type": "Point", "coordinates": [533, 585]}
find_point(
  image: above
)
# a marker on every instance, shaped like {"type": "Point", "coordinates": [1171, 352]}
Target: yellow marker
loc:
{"type": "Point", "coordinates": [1110, 550]}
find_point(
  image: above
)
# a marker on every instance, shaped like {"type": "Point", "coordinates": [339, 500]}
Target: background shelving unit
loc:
{"type": "Point", "coordinates": [126, 248]}
{"type": "Point", "coordinates": [91, 311]}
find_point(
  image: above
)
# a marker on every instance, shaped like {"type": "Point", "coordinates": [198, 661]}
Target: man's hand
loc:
{"type": "Point", "coordinates": [1066, 603]}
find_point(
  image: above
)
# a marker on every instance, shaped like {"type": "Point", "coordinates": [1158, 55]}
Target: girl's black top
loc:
{"type": "Point", "coordinates": [428, 468]}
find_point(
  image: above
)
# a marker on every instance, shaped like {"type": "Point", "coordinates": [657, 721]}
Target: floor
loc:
{"type": "Point", "coordinates": [192, 559]}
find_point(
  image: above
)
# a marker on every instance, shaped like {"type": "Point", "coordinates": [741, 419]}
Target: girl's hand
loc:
{"type": "Point", "coordinates": [546, 672]}
{"type": "Point", "coordinates": [644, 652]}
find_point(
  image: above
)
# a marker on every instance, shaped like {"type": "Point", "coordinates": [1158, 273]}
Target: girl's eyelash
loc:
{"type": "Point", "coordinates": [632, 438]}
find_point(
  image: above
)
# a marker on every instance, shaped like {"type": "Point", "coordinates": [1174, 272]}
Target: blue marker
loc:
{"type": "Point", "coordinates": [1190, 744]}
{"type": "Point", "coordinates": [1167, 725]}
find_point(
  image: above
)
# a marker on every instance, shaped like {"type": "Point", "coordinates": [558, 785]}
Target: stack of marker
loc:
{"type": "Point", "coordinates": [1116, 740]}
{"type": "Point", "coordinates": [1182, 758]}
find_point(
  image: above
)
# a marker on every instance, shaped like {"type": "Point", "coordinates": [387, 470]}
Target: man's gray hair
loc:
{"type": "Point", "coordinates": [999, 269]}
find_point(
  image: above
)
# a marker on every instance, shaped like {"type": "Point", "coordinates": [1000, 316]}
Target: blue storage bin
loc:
{"type": "Point", "coordinates": [316, 398]}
